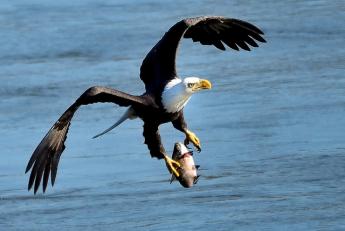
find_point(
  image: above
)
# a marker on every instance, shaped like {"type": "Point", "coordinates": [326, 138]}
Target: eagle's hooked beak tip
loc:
{"type": "Point", "coordinates": [205, 84]}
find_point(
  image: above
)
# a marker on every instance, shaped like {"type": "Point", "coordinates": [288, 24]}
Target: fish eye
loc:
{"type": "Point", "coordinates": [190, 85]}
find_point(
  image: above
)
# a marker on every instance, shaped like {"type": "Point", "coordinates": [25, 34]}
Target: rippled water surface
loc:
{"type": "Point", "coordinates": [272, 128]}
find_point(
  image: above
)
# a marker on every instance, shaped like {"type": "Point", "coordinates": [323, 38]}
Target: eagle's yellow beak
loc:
{"type": "Point", "coordinates": [202, 84]}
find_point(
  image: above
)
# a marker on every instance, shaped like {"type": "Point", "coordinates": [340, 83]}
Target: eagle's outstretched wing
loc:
{"type": "Point", "coordinates": [159, 65]}
{"type": "Point", "coordinates": [45, 159]}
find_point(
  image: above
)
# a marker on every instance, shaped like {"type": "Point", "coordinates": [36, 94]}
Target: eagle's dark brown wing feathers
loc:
{"type": "Point", "coordinates": [215, 30]}
{"type": "Point", "coordinates": [45, 158]}
{"type": "Point", "coordinates": [159, 65]}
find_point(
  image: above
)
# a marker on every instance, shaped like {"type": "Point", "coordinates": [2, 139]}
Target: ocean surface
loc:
{"type": "Point", "coordinates": [272, 128]}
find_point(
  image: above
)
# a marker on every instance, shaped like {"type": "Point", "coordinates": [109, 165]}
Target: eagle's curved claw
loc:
{"type": "Point", "coordinates": [191, 137]}
{"type": "Point", "coordinates": [172, 165]}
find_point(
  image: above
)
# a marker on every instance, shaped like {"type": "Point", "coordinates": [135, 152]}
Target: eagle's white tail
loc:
{"type": "Point", "coordinates": [129, 114]}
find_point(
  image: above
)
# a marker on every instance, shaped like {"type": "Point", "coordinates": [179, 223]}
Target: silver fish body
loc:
{"type": "Point", "coordinates": [188, 170]}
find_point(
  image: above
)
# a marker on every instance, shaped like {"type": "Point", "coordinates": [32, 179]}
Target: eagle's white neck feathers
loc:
{"type": "Point", "coordinates": [175, 96]}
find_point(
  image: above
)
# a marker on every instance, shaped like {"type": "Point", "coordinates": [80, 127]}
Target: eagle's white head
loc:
{"type": "Point", "coordinates": [177, 92]}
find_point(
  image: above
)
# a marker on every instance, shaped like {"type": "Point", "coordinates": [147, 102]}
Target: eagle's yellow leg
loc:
{"type": "Point", "coordinates": [172, 165]}
{"type": "Point", "coordinates": [191, 137]}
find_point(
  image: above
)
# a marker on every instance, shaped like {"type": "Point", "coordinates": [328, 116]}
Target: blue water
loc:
{"type": "Point", "coordinates": [272, 128]}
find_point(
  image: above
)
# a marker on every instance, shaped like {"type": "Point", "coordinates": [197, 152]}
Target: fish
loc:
{"type": "Point", "coordinates": [188, 175]}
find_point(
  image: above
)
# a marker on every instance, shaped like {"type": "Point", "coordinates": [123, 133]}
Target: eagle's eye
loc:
{"type": "Point", "coordinates": [190, 85]}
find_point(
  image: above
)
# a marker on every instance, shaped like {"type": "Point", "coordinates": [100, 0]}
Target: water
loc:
{"type": "Point", "coordinates": [272, 128]}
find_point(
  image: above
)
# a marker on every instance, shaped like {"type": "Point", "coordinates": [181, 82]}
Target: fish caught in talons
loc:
{"type": "Point", "coordinates": [188, 175]}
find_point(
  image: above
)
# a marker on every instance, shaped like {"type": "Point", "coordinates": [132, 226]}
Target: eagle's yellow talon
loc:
{"type": "Point", "coordinates": [172, 165]}
{"type": "Point", "coordinates": [190, 136]}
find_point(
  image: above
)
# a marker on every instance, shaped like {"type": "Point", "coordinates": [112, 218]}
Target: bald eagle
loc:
{"type": "Point", "coordinates": [164, 99]}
